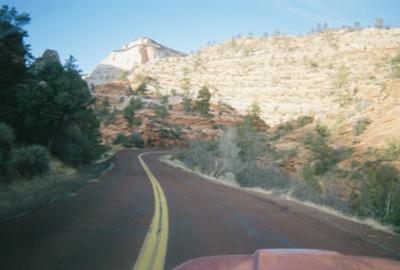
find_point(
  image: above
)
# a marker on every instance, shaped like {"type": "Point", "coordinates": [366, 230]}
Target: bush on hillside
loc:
{"type": "Point", "coordinates": [391, 151]}
{"type": "Point", "coordinates": [122, 140]}
{"type": "Point", "coordinates": [396, 65]}
{"type": "Point", "coordinates": [380, 194]}
{"type": "Point", "coordinates": [76, 148]}
{"type": "Point", "coordinates": [202, 104]}
{"type": "Point", "coordinates": [130, 110]}
{"type": "Point", "coordinates": [322, 130]}
{"type": "Point", "coordinates": [200, 155]}
{"type": "Point", "coordinates": [309, 179]}
{"type": "Point", "coordinates": [137, 140]}
{"type": "Point", "coordinates": [187, 104]}
{"type": "Point", "coordinates": [267, 178]}
{"type": "Point", "coordinates": [161, 111]}
{"type": "Point", "coordinates": [142, 89]}
{"type": "Point", "coordinates": [360, 126]}
{"type": "Point", "coordinates": [29, 161]}
{"type": "Point", "coordinates": [303, 121]}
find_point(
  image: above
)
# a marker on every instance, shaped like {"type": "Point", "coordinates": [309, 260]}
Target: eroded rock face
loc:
{"type": "Point", "coordinates": [121, 62]}
{"type": "Point", "coordinates": [48, 57]}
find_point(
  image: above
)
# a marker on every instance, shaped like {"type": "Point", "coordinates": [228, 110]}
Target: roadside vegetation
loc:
{"type": "Point", "coordinates": [135, 139]}
{"type": "Point", "coordinates": [46, 108]}
{"type": "Point", "coordinates": [247, 155]}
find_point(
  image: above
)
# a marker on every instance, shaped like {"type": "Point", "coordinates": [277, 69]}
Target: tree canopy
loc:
{"type": "Point", "coordinates": [43, 101]}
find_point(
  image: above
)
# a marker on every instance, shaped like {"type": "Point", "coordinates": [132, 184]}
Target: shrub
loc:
{"type": "Point", "coordinates": [303, 121]}
{"type": "Point", "coordinates": [323, 155]}
{"type": "Point", "coordinates": [29, 161]}
{"type": "Point", "coordinates": [130, 110]}
{"type": "Point", "coordinates": [161, 111]}
{"type": "Point", "coordinates": [128, 141]}
{"type": "Point", "coordinates": [322, 130]}
{"type": "Point", "coordinates": [142, 88]}
{"type": "Point", "coordinates": [344, 98]}
{"type": "Point", "coordinates": [267, 177]}
{"type": "Point", "coordinates": [187, 104]}
{"type": "Point", "coordinates": [380, 195]}
{"type": "Point", "coordinates": [360, 126]}
{"type": "Point", "coordinates": [136, 103]}
{"type": "Point", "coordinates": [137, 140]}
{"type": "Point", "coordinates": [282, 130]}
{"type": "Point", "coordinates": [319, 167]}
{"type": "Point", "coordinates": [200, 155]}
{"type": "Point", "coordinates": [356, 175]}
{"type": "Point", "coordinates": [76, 148]}
{"type": "Point", "coordinates": [228, 160]}
{"type": "Point", "coordinates": [391, 151]}
{"type": "Point", "coordinates": [341, 76]}
{"type": "Point", "coordinates": [123, 140]}
{"type": "Point", "coordinates": [309, 178]}
{"type": "Point", "coordinates": [291, 153]}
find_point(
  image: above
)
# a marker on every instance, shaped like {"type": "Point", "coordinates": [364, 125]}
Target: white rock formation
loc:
{"type": "Point", "coordinates": [121, 62]}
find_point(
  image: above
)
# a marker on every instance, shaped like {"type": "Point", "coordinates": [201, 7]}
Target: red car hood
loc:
{"type": "Point", "coordinates": [290, 259]}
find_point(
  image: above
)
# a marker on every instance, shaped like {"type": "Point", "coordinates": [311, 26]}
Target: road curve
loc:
{"type": "Point", "coordinates": [105, 225]}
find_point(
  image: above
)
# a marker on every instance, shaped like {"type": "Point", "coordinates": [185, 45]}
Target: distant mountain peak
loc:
{"type": "Point", "coordinates": [143, 41]}
{"type": "Point", "coordinates": [131, 55]}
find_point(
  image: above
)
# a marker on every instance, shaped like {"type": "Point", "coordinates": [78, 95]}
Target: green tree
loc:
{"type": "Point", "coordinates": [142, 89]}
{"type": "Point", "coordinates": [105, 106]}
{"type": "Point", "coordinates": [202, 103]}
{"type": "Point", "coordinates": [162, 109]}
{"type": "Point", "coordinates": [380, 195]}
{"type": "Point", "coordinates": [57, 111]}
{"type": "Point", "coordinates": [187, 104]}
{"type": "Point", "coordinates": [130, 111]}
{"type": "Point", "coordinates": [187, 101]}
{"type": "Point", "coordinates": [255, 109]}
{"type": "Point", "coordinates": [13, 56]}
{"type": "Point", "coordinates": [252, 120]}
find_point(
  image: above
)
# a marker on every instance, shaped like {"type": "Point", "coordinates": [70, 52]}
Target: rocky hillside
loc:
{"type": "Point", "coordinates": [288, 75]}
{"type": "Point", "coordinates": [160, 119]}
{"type": "Point", "coordinates": [339, 77]}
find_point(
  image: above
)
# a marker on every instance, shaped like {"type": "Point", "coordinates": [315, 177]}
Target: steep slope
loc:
{"type": "Point", "coordinates": [120, 62]}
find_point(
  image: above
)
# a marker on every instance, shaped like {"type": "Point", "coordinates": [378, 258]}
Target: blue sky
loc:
{"type": "Point", "coordinates": [90, 29]}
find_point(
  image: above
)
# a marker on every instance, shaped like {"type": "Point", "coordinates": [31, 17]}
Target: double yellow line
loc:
{"type": "Point", "coordinates": [153, 252]}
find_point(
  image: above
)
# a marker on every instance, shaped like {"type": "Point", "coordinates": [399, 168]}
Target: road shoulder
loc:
{"type": "Point", "coordinates": [53, 191]}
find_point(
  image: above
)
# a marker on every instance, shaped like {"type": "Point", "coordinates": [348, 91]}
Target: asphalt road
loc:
{"type": "Point", "coordinates": [104, 226]}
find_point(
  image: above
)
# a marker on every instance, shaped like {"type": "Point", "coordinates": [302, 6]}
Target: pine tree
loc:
{"type": "Point", "coordinates": [202, 104]}
{"type": "Point", "coordinates": [13, 57]}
